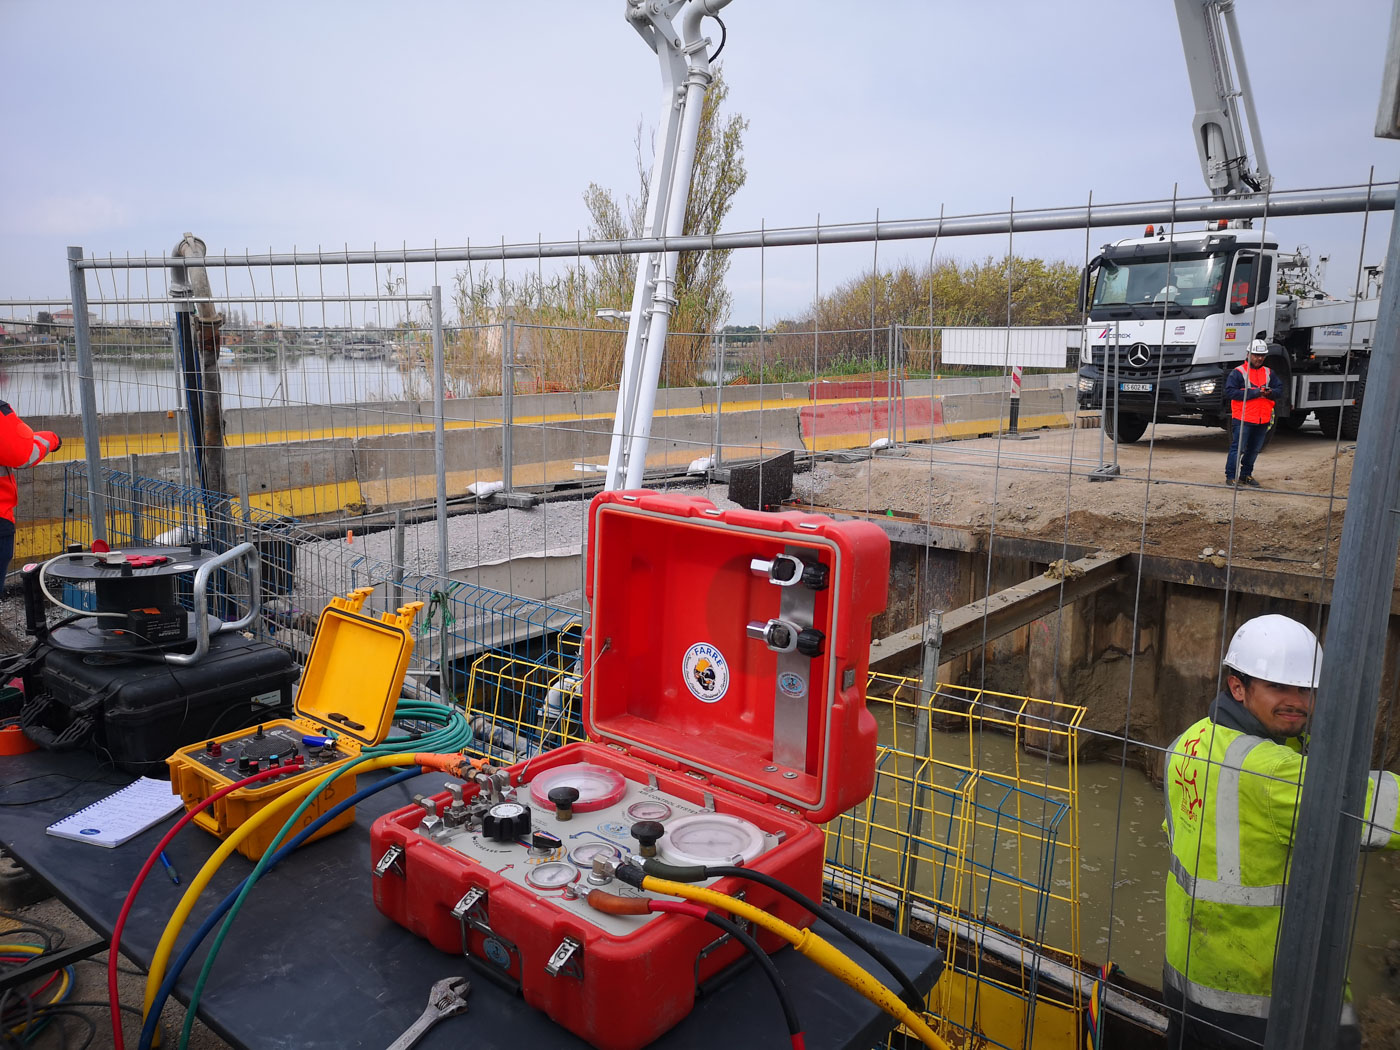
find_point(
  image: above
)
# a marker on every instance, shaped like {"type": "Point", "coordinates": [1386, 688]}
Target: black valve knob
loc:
{"type": "Point", "coordinates": [246, 764]}
{"type": "Point", "coordinates": [810, 641]}
{"type": "Point", "coordinates": [544, 842]}
{"type": "Point", "coordinates": [646, 832]}
{"type": "Point", "coordinates": [563, 799]}
{"type": "Point", "coordinates": [815, 575]}
{"type": "Point", "coordinates": [506, 822]}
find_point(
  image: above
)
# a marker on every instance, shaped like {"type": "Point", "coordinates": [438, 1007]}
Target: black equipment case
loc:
{"type": "Point", "coordinates": [139, 712]}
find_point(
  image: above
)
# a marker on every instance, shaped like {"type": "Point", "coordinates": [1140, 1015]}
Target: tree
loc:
{"type": "Point", "coordinates": [43, 322]}
{"type": "Point", "coordinates": [702, 298]}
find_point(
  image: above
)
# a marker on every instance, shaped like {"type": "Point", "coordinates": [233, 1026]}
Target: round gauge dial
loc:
{"type": "Point", "coordinates": [710, 838]}
{"type": "Point", "coordinates": [584, 856]}
{"type": "Point", "coordinates": [648, 810]}
{"type": "Point", "coordinates": [598, 786]}
{"type": "Point", "coordinates": [554, 875]}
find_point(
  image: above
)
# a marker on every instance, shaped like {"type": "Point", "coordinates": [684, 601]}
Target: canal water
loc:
{"type": "Point", "coordinates": [147, 384]}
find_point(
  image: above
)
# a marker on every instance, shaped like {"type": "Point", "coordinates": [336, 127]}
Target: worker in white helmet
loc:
{"type": "Point", "coordinates": [1233, 785]}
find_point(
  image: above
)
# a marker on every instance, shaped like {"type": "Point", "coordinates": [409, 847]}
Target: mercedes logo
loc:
{"type": "Point", "coordinates": [1139, 354]}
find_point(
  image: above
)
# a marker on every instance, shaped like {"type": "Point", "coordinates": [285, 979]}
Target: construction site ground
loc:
{"type": "Point", "coordinates": [1169, 499]}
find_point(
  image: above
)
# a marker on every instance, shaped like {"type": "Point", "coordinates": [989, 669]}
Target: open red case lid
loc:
{"type": "Point", "coordinates": [735, 644]}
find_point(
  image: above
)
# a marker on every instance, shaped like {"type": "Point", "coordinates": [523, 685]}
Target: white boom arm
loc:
{"type": "Point", "coordinates": [1219, 133]}
{"type": "Point", "coordinates": [685, 76]}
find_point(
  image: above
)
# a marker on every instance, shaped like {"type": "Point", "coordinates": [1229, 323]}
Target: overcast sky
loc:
{"type": "Point", "coordinates": [271, 125]}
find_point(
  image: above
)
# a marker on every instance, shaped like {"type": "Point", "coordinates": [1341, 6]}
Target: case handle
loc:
{"type": "Point", "coordinates": [201, 591]}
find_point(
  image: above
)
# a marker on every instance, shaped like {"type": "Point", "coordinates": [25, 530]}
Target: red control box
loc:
{"type": "Point", "coordinates": [723, 693]}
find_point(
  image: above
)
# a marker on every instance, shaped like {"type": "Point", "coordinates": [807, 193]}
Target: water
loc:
{"type": "Point", "coordinates": [41, 388]}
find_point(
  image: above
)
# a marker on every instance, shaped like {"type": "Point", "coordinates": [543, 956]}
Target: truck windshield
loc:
{"type": "Point", "coordinates": [1193, 282]}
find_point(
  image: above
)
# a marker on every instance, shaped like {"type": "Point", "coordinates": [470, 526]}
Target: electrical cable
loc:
{"type": "Point", "coordinates": [165, 946]}
{"type": "Point", "coordinates": [167, 985]}
{"type": "Point", "coordinates": [125, 912]}
{"type": "Point", "coordinates": [833, 917]}
{"type": "Point", "coordinates": [723, 38]}
{"type": "Point", "coordinates": [31, 1009]}
{"type": "Point", "coordinates": [44, 567]}
{"type": "Point", "coordinates": [822, 952]}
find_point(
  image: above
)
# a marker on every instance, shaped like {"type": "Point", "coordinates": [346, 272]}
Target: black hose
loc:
{"type": "Point", "coordinates": [765, 963]}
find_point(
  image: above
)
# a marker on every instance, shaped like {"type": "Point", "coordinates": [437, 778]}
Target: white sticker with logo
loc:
{"type": "Point", "coordinates": [706, 672]}
{"type": "Point", "coordinates": [792, 684]}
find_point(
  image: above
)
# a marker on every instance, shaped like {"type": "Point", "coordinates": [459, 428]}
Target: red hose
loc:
{"type": "Point", "coordinates": [112, 953]}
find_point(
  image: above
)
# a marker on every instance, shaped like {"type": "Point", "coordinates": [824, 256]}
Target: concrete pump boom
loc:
{"type": "Point", "coordinates": [685, 76]}
{"type": "Point", "coordinates": [1218, 130]}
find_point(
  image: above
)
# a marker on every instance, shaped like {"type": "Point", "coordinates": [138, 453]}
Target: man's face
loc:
{"type": "Point", "coordinates": [1283, 710]}
{"type": "Point", "coordinates": [1256, 360]}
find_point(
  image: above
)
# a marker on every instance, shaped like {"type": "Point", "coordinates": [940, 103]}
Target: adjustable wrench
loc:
{"type": "Point", "coordinates": [447, 998]}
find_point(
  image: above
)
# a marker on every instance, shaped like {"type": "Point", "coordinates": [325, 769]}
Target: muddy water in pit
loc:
{"type": "Point", "coordinates": [1121, 865]}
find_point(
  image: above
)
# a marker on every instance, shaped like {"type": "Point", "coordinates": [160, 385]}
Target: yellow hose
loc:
{"type": "Point", "coordinates": [822, 952]}
{"type": "Point", "coordinates": [278, 807]}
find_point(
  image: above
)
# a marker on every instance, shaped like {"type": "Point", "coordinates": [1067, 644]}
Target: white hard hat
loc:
{"type": "Point", "coordinates": [1258, 347]}
{"type": "Point", "coordinates": [1277, 649]}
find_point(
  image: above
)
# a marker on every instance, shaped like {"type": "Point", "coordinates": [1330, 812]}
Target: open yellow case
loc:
{"type": "Point", "coordinates": [344, 703]}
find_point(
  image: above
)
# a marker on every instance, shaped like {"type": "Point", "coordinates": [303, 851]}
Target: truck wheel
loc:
{"type": "Point", "coordinates": [1330, 420]}
{"type": "Point", "coordinates": [1130, 428]}
{"type": "Point", "coordinates": [1351, 415]}
{"type": "Point", "coordinates": [1293, 421]}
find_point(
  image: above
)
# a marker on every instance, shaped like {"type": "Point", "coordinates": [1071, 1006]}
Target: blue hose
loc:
{"type": "Point", "coordinates": [172, 975]}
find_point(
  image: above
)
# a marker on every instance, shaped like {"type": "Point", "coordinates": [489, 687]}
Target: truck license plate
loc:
{"type": "Point", "coordinates": [1135, 388]}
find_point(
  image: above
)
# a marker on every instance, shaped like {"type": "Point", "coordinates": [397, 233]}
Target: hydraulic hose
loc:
{"type": "Point", "coordinates": [114, 954]}
{"type": "Point", "coordinates": [833, 917]}
{"type": "Point", "coordinates": [275, 808]}
{"type": "Point", "coordinates": [167, 985]}
{"type": "Point", "coordinates": [820, 951]}
{"type": "Point", "coordinates": [252, 880]}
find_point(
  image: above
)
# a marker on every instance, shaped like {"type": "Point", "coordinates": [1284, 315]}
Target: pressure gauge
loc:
{"type": "Point", "coordinates": [598, 786]}
{"type": "Point", "coordinates": [710, 838]}
{"type": "Point", "coordinates": [648, 810]}
{"type": "Point", "coordinates": [506, 821]}
{"type": "Point", "coordinates": [554, 875]}
{"type": "Point", "coordinates": [584, 856]}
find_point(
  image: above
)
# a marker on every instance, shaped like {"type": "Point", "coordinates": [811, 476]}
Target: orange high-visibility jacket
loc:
{"type": "Point", "coordinates": [19, 447]}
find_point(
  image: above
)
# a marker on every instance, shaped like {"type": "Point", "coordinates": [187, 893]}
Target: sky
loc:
{"type": "Point", "coordinates": [271, 126]}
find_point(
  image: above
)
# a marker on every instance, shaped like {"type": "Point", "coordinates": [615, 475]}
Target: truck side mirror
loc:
{"type": "Point", "coordinates": [1238, 308]}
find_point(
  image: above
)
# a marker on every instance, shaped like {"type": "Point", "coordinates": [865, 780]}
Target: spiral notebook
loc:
{"type": "Point", "coordinates": [120, 817]}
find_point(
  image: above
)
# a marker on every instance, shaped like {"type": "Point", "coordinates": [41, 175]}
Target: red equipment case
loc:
{"type": "Point", "coordinates": [723, 682]}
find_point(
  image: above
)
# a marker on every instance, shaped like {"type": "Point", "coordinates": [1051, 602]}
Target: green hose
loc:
{"type": "Point", "coordinates": [454, 733]}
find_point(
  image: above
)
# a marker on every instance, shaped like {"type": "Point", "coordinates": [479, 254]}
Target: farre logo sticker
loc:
{"type": "Point", "coordinates": [706, 672]}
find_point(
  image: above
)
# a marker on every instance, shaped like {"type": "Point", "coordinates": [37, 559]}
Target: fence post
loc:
{"type": "Point", "coordinates": [922, 771]}
{"type": "Point", "coordinates": [508, 407]}
{"type": "Point", "coordinates": [717, 453]}
{"type": "Point", "coordinates": [439, 433]}
{"type": "Point", "coordinates": [137, 530]}
{"type": "Point", "coordinates": [396, 589]}
{"type": "Point", "coordinates": [97, 501]}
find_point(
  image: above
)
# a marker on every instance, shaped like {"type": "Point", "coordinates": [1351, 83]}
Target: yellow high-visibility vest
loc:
{"type": "Point", "coordinates": [1232, 803]}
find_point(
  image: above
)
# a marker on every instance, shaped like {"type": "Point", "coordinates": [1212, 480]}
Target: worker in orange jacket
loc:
{"type": "Point", "coordinates": [19, 447]}
{"type": "Point", "coordinates": [1253, 389]}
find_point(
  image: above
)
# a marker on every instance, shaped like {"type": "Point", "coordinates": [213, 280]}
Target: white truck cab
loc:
{"type": "Point", "coordinates": [1171, 313]}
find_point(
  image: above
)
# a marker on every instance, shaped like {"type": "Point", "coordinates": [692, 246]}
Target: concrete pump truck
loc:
{"type": "Point", "coordinates": [1171, 312]}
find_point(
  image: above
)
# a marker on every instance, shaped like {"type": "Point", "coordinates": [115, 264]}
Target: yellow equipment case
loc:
{"type": "Point", "coordinates": [344, 703]}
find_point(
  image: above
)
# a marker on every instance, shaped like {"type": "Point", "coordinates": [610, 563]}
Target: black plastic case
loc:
{"type": "Point", "coordinates": [138, 713]}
